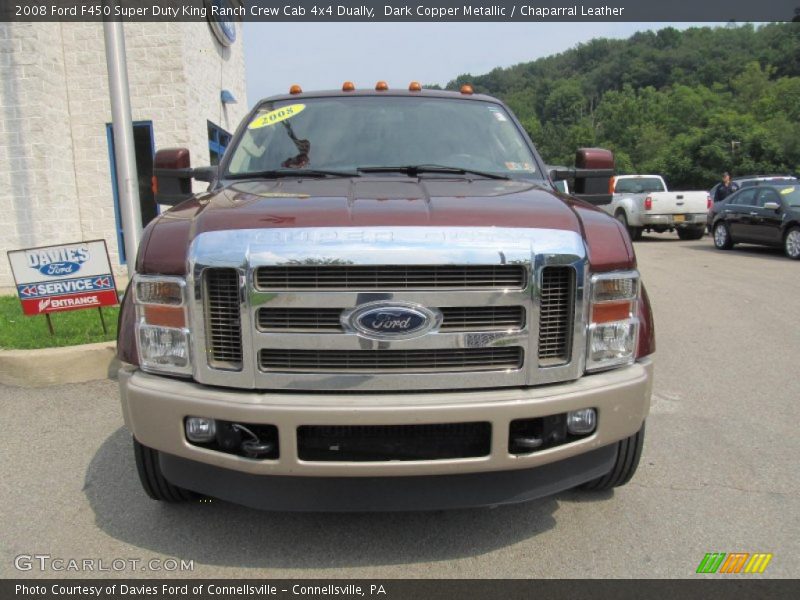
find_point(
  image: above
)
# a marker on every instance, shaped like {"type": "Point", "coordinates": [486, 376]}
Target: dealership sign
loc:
{"type": "Point", "coordinates": [64, 277]}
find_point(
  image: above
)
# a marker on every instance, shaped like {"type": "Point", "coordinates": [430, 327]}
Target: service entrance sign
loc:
{"type": "Point", "coordinates": [64, 277]}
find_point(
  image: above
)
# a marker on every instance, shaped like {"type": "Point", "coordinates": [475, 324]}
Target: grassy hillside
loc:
{"type": "Point", "coordinates": [687, 104]}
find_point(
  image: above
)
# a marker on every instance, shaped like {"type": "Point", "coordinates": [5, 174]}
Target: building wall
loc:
{"type": "Point", "coordinates": [211, 68]}
{"type": "Point", "coordinates": [37, 175]}
{"type": "Point", "coordinates": [54, 108]}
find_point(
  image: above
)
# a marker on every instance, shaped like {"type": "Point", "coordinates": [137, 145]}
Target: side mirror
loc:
{"type": "Point", "coordinates": [594, 168]}
{"type": "Point", "coordinates": [172, 176]}
{"type": "Point", "coordinates": [772, 206]}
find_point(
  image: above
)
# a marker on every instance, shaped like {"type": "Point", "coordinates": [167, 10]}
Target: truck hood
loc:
{"type": "Point", "coordinates": [389, 201]}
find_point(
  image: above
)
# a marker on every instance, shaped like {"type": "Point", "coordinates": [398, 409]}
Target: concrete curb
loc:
{"type": "Point", "coordinates": [51, 366]}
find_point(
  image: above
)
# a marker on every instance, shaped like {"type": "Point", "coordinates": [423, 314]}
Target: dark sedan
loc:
{"type": "Point", "coordinates": [744, 181]}
{"type": "Point", "coordinates": [768, 215]}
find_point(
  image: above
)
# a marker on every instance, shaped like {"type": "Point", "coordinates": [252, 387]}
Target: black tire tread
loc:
{"type": "Point", "coordinates": [786, 235]}
{"type": "Point", "coordinates": [629, 451]}
{"type": "Point", "coordinates": [153, 481]}
{"type": "Point", "coordinates": [728, 240]}
{"type": "Point", "coordinates": [634, 232]}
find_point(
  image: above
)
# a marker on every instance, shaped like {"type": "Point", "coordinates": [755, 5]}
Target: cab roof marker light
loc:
{"type": "Point", "coordinates": [348, 86]}
{"type": "Point", "coordinates": [381, 86]}
{"type": "Point", "coordinates": [295, 89]}
{"type": "Point", "coordinates": [414, 86]}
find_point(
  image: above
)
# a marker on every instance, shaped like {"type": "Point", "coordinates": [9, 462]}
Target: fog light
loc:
{"type": "Point", "coordinates": [200, 429]}
{"type": "Point", "coordinates": [581, 422]}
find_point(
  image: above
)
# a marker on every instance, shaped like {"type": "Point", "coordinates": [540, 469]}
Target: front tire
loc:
{"type": "Point", "coordinates": [153, 481]}
{"type": "Point", "coordinates": [691, 234]}
{"type": "Point", "coordinates": [629, 451]}
{"type": "Point", "coordinates": [722, 236]}
{"type": "Point", "coordinates": [791, 243]}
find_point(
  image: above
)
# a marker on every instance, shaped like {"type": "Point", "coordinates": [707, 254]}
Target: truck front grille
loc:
{"type": "Point", "coordinates": [223, 319]}
{"type": "Point", "coordinates": [267, 307]}
{"type": "Point", "coordinates": [469, 318]}
{"type": "Point", "coordinates": [378, 361]}
{"type": "Point", "coordinates": [390, 277]}
{"type": "Point", "coordinates": [556, 314]}
{"type": "Point", "coordinates": [367, 443]}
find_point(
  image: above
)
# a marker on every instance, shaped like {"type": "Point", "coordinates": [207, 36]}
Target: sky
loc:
{"type": "Point", "coordinates": [323, 55]}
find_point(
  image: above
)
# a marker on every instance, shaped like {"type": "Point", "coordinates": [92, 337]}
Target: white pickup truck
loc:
{"type": "Point", "coordinates": [642, 203]}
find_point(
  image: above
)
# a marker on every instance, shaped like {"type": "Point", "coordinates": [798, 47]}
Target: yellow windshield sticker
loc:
{"type": "Point", "coordinates": [515, 166]}
{"type": "Point", "coordinates": [276, 116]}
{"type": "Point", "coordinates": [788, 190]}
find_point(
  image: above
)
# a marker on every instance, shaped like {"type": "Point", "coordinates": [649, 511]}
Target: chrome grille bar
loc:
{"type": "Point", "coordinates": [390, 277]}
{"type": "Point", "coordinates": [467, 318]}
{"type": "Point", "coordinates": [299, 319]}
{"type": "Point", "coordinates": [378, 361]}
{"type": "Point", "coordinates": [482, 318]}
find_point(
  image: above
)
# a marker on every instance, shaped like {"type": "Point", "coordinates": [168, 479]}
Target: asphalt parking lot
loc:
{"type": "Point", "coordinates": [718, 474]}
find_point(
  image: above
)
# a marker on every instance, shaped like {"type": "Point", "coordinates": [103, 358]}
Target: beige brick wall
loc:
{"type": "Point", "coordinates": [54, 107]}
{"type": "Point", "coordinates": [36, 167]}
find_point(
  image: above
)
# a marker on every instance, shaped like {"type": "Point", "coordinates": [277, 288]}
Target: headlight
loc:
{"type": "Point", "coordinates": [613, 329]}
{"type": "Point", "coordinates": [161, 324]}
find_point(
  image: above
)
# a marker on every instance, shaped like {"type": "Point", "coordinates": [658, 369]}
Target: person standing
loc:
{"type": "Point", "coordinates": [725, 188]}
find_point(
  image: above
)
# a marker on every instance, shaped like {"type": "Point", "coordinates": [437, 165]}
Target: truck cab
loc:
{"type": "Point", "coordinates": [383, 303]}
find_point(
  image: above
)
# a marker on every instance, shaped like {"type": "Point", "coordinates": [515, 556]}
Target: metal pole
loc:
{"type": "Point", "coordinates": [127, 180]}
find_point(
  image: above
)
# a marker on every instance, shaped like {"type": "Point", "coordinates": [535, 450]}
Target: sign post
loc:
{"type": "Point", "coordinates": [64, 277]}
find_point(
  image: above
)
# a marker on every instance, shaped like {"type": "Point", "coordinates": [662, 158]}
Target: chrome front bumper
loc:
{"type": "Point", "coordinates": [154, 409]}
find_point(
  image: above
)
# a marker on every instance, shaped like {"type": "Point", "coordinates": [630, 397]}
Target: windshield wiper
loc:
{"type": "Point", "coordinates": [414, 170]}
{"type": "Point", "coordinates": [278, 173]}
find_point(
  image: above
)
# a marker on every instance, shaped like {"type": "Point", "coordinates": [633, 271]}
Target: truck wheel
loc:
{"type": "Point", "coordinates": [153, 481]}
{"type": "Point", "coordinates": [691, 234]}
{"type": "Point", "coordinates": [629, 451]}
{"type": "Point", "coordinates": [634, 232]}
{"type": "Point", "coordinates": [791, 243]}
{"type": "Point", "coordinates": [722, 236]}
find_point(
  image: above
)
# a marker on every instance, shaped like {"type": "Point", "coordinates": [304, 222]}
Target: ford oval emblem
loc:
{"type": "Point", "coordinates": [58, 269]}
{"type": "Point", "coordinates": [391, 320]}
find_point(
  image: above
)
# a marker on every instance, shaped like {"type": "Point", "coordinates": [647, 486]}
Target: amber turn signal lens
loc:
{"type": "Point", "coordinates": [467, 89]}
{"type": "Point", "coordinates": [414, 86]}
{"type": "Point", "coordinates": [164, 316]}
{"type": "Point", "coordinates": [348, 86]}
{"type": "Point", "coordinates": [295, 89]}
{"type": "Point", "coordinates": [611, 311]}
{"type": "Point", "coordinates": [154, 184]}
{"type": "Point", "coordinates": [381, 86]}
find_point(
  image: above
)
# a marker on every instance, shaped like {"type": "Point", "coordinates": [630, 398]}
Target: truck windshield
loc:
{"type": "Point", "coordinates": [344, 134]}
{"type": "Point", "coordinates": [638, 185]}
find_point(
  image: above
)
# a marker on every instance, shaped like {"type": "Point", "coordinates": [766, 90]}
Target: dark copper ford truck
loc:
{"type": "Point", "coordinates": [383, 303]}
